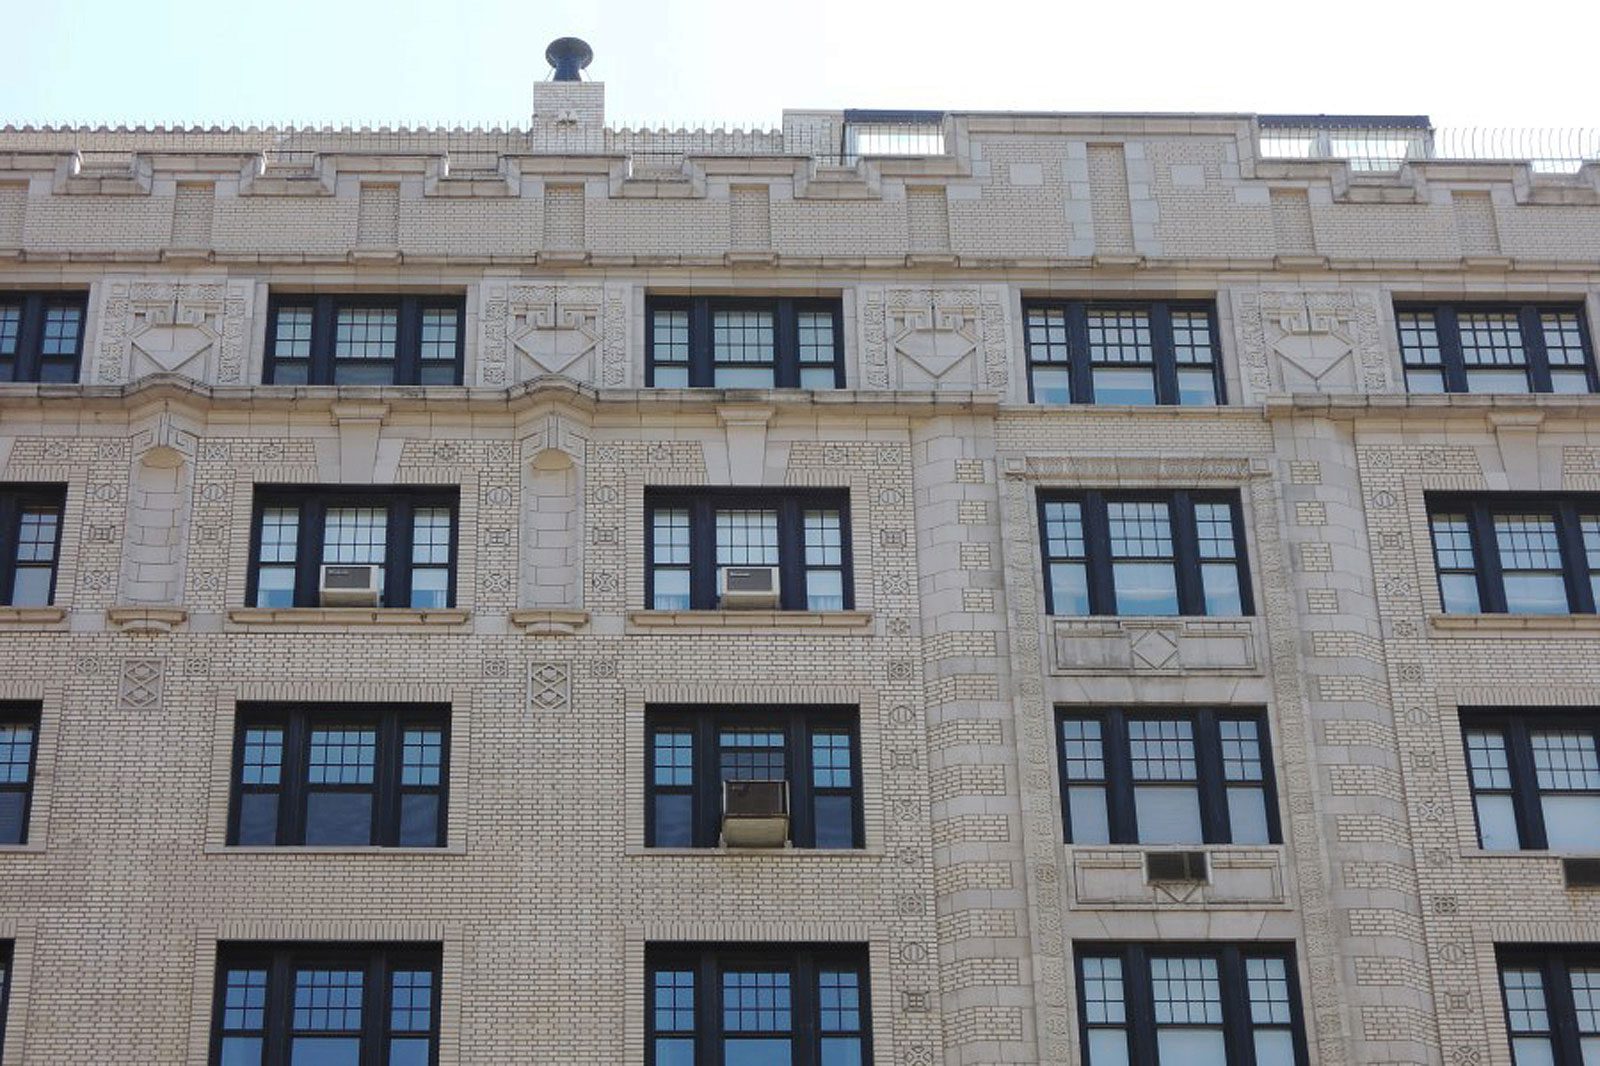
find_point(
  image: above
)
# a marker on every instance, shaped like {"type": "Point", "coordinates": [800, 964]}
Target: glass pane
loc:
{"type": "Point", "coordinates": [756, 1001]}
{"type": "Point", "coordinates": [1525, 1004]}
{"type": "Point", "coordinates": [32, 588]}
{"type": "Point", "coordinates": [1267, 981]}
{"type": "Point", "coordinates": [1497, 381]}
{"type": "Point", "coordinates": [1197, 388]}
{"type": "Point", "coordinates": [1102, 991]}
{"type": "Point", "coordinates": [291, 373]}
{"type": "Point", "coordinates": [1221, 585]}
{"type": "Point", "coordinates": [671, 590]}
{"type": "Point", "coordinates": [841, 1051]}
{"type": "Point", "coordinates": [241, 1051]}
{"type": "Point", "coordinates": [1274, 1047]}
{"type": "Point", "coordinates": [355, 535]}
{"type": "Point", "coordinates": [1108, 1047]}
{"type": "Point", "coordinates": [1528, 593]}
{"type": "Point", "coordinates": [817, 377]}
{"type": "Point", "coordinates": [1130, 386]}
{"type": "Point", "coordinates": [1425, 381]}
{"type": "Point", "coordinates": [1459, 593]}
{"type": "Point", "coordinates": [1591, 1050]}
{"type": "Point", "coordinates": [742, 377]}
{"type": "Point", "coordinates": [674, 758]}
{"type": "Point", "coordinates": [1586, 1000]}
{"type": "Point", "coordinates": [411, 1001]}
{"type": "Point", "coordinates": [258, 818]}
{"type": "Point", "coordinates": [1145, 588]}
{"type": "Point", "coordinates": [1247, 816]}
{"type": "Point", "coordinates": [674, 820]}
{"type": "Point", "coordinates": [1569, 381]}
{"type": "Point", "coordinates": [421, 757]}
{"type": "Point", "coordinates": [1087, 807]}
{"type": "Point", "coordinates": [1069, 589]}
{"type": "Point", "coordinates": [1051, 385]}
{"type": "Point", "coordinates": [674, 1051]}
{"type": "Point", "coordinates": [824, 590]}
{"type": "Point", "coordinates": [275, 586]}
{"type": "Point", "coordinates": [365, 333]}
{"type": "Point", "coordinates": [1571, 821]}
{"type": "Point", "coordinates": [409, 1051]}
{"type": "Point", "coordinates": [430, 588]}
{"type": "Point", "coordinates": [1167, 815]}
{"type": "Point", "coordinates": [430, 536]}
{"type": "Point", "coordinates": [1497, 824]}
{"type": "Point", "coordinates": [1533, 1051]}
{"type": "Point", "coordinates": [774, 1051]}
{"type": "Point", "coordinates": [13, 822]}
{"type": "Point", "coordinates": [339, 818]}
{"type": "Point", "coordinates": [419, 820]}
{"type": "Point", "coordinates": [747, 538]}
{"type": "Point", "coordinates": [672, 377]}
{"type": "Point", "coordinates": [835, 818]}
{"type": "Point", "coordinates": [1192, 1047]}
{"type": "Point", "coordinates": [326, 1051]}
{"type": "Point", "coordinates": [342, 756]}
{"type": "Point", "coordinates": [674, 1001]}
{"type": "Point", "coordinates": [363, 373]}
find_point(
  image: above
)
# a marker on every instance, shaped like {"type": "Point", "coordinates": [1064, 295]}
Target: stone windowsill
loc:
{"type": "Point", "coordinates": [1515, 625]}
{"type": "Point", "coordinates": [147, 619]}
{"type": "Point", "coordinates": [756, 853]}
{"type": "Point", "coordinates": [348, 616]}
{"type": "Point", "coordinates": [547, 621]}
{"type": "Point", "coordinates": [723, 621]}
{"type": "Point", "coordinates": [32, 616]}
{"type": "Point", "coordinates": [301, 851]}
{"type": "Point", "coordinates": [32, 847]}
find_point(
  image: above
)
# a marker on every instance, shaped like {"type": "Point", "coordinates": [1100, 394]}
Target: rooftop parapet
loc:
{"type": "Point", "coordinates": [1384, 143]}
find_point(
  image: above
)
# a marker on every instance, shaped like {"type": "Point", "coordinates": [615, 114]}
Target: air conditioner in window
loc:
{"type": "Point", "coordinates": [748, 587]}
{"type": "Point", "coordinates": [1581, 872]}
{"type": "Point", "coordinates": [1169, 866]}
{"type": "Point", "coordinates": [348, 586]}
{"type": "Point", "coordinates": [755, 814]}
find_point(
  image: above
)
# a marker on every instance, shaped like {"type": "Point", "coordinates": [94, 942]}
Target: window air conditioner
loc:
{"type": "Point", "coordinates": [349, 586]}
{"type": "Point", "coordinates": [1175, 866]}
{"type": "Point", "coordinates": [1581, 872]}
{"type": "Point", "coordinates": [748, 587]}
{"type": "Point", "coordinates": [755, 814]}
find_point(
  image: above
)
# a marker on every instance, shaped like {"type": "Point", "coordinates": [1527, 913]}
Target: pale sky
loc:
{"type": "Point", "coordinates": [709, 62]}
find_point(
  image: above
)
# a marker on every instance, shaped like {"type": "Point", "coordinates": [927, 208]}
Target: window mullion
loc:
{"type": "Point", "coordinates": [408, 342]}
{"type": "Point", "coordinates": [386, 782]}
{"type": "Point", "coordinates": [279, 1017]}
{"type": "Point", "coordinates": [1214, 824]}
{"type": "Point", "coordinates": [1186, 556]}
{"type": "Point", "coordinates": [802, 831]}
{"type": "Point", "coordinates": [1448, 327]}
{"type": "Point", "coordinates": [1079, 373]}
{"type": "Point", "coordinates": [701, 372]}
{"type": "Point", "coordinates": [308, 563]}
{"type": "Point", "coordinates": [1533, 347]}
{"type": "Point", "coordinates": [702, 555]}
{"type": "Point", "coordinates": [791, 556]}
{"type": "Point", "coordinates": [1166, 367]}
{"type": "Point", "coordinates": [1524, 787]}
{"type": "Point", "coordinates": [1563, 1012]}
{"type": "Point", "coordinates": [804, 1020]}
{"type": "Point", "coordinates": [320, 369]}
{"type": "Point", "coordinates": [707, 782]}
{"type": "Point", "coordinates": [1097, 555]}
{"type": "Point", "coordinates": [1491, 579]}
{"type": "Point", "coordinates": [398, 533]}
{"type": "Point", "coordinates": [1236, 1021]}
{"type": "Point", "coordinates": [10, 535]}
{"type": "Point", "coordinates": [1139, 1002]}
{"type": "Point", "coordinates": [1574, 560]}
{"type": "Point", "coordinates": [1124, 823]}
{"type": "Point", "coordinates": [785, 345]}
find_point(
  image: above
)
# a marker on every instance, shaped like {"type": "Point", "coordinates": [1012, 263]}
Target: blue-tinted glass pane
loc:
{"type": "Point", "coordinates": [1145, 588]}
{"type": "Point", "coordinates": [841, 1051]}
{"type": "Point", "coordinates": [830, 760]}
{"type": "Point", "coordinates": [258, 818]}
{"type": "Point", "coordinates": [16, 753]}
{"type": "Point", "coordinates": [672, 999]}
{"type": "Point", "coordinates": [422, 757]}
{"type": "Point", "coordinates": [1069, 589]}
{"type": "Point", "coordinates": [768, 1052]}
{"type": "Point", "coordinates": [328, 1000]}
{"type": "Point", "coordinates": [674, 821]}
{"type": "Point", "coordinates": [839, 1001]}
{"type": "Point", "coordinates": [674, 1051]}
{"type": "Point", "coordinates": [674, 759]}
{"type": "Point", "coordinates": [835, 817]}
{"type": "Point", "coordinates": [408, 1051]}
{"type": "Point", "coordinates": [1051, 385]}
{"type": "Point", "coordinates": [244, 999]}
{"type": "Point", "coordinates": [12, 819]}
{"type": "Point", "coordinates": [1459, 593]}
{"type": "Point", "coordinates": [411, 1001]}
{"type": "Point", "coordinates": [1128, 386]}
{"type": "Point", "coordinates": [755, 1001]}
{"type": "Point", "coordinates": [419, 820]}
{"type": "Point", "coordinates": [1221, 585]}
{"type": "Point", "coordinates": [326, 1051]}
{"type": "Point", "coordinates": [1087, 808]}
{"type": "Point", "coordinates": [339, 818]}
{"type": "Point", "coordinates": [241, 1051]}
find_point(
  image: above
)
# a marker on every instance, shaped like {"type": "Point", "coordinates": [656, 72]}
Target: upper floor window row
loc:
{"type": "Point", "coordinates": [1535, 780]}
{"type": "Point", "coordinates": [1517, 553]}
{"type": "Point", "coordinates": [743, 343]}
{"type": "Point", "coordinates": [41, 336]}
{"type": "Point", "coordinates": [1495, 348]}
{"type": "Point", "coordinates": [1552, 1003]}
{"type": "Point", "coordinates": [30, 543]}
{"type": "Point", "coordinates": [1123, 353]}
{"type": "Point", "coordinates": [365, 340]}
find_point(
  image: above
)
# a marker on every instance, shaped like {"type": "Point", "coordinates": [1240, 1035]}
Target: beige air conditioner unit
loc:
{"type": "Point", "coordinates": [748, 587]}
{"type": "Point", "coordinates": [1169, 866]}
{"type": "Point", "coordinates": [755, 814]}
{"type": "Point", "coordinates": [348, 586]}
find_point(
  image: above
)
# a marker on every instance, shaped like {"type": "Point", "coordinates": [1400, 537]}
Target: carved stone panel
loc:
{"type": "Point", "coordinates": [933, 338]}
{"type": "Point", "coordinates": [1317, 341]}
{"type": "Point", "coordinates": [1160, 645]}
{"type": "Point", "coordinates": [1115, 877]}
{"type": "Point", "coordinates": [196, 328]}
{"type": "Point", "coordinates": [578, 331]}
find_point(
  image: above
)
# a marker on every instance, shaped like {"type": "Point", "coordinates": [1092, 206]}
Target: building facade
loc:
{"type": "Point", "coordinates": [1182, 539]}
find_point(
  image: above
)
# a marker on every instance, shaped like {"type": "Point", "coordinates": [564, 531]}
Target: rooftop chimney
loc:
{"type": "Point", "coordinates": [569, 56]}
{"type": "Point", "coordinates": [568, 112]}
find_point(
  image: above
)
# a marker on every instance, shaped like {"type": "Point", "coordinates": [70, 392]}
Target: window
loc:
{"type": "Point", "coordinates": [365, 340]}
{"type": "Point", "coordinates": [41, 336]}
{"type": "Point", "coordinates": [694, 750]}
{"type": "Point", "coordinates": [19, 746]}
{"type": "Point", "coordinates": [728, 1005]}
{"type": "Point", "coordinates": [309, 1004]}
{"type": "Point", "coordinates": [1149, 353]}
{"type": "Point", "coordinates": [1516, 553]}
{"type": "Point", "coordinates": [1166, 777]}
{"type": "Point", "coordinates": [1505, 348]}
{"type": "Point", "coordinates": [728, 343]}
{"type": "Point", "coordinates": [1552, 1004]}
{"type": "Point", "coordinates": [409, 535]}
{"type": "Point", "coordinates": [1168, 553]}
{"type": "Point", "coordinates": [695, 535]}
{"type": "Point", "coordinates": [1180, 1005]}
{"type": "Point", "coordinates": [1535, 779]}
{"type": "Point", "coordinates": [30, 543]}
{"type": "Point", "coordinates": [349, 774]}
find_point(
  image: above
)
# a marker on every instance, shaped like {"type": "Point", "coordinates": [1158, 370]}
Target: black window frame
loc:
{"type": "Point", "coordinates": [805, 962]}
{"type": "Point", "coordinates": [1480, 509]}
{"type": "Point", "coordinates": [7, 971]}
{"type": "Point", "coordinates": [1554, 963]}
{"type": "Point", "coordinates": [29, 361]}
{"type": "Point", "coordinates": [1210, 779]}
{"type": "Point", "coordinates": [15, 498]}
{"type": "Point", "coordinates": [314, 501]}
{"type": "Point", "coordinates": [325, 308]}
{"type": "Point", "coordinates": [281, 959]}
{"type": "Point", "coordinates": [785, 312]}
{"type": "Point", "coordinates": [296, 720]}
{"type": "Point", "coordinates": [29, 713]}
{"type": "Point", "coordinates": [797, 723]}
{"type": "Point", "coordinates": [1516, 727]}
{"type": "Point", "coordinates": [1447, 327]}
{"type": "Point", "coordinates": [1098, 560]}
{"type": "Point", "coordinates": [1139, 998]}
{"type": "Point", "coordinates": [1164, 365]}
{"type": "Point", "coordinates": [791, 505]}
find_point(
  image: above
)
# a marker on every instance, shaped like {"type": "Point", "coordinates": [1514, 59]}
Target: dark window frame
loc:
{"type": "Point", "coordinates": [14, 499]}
{"type": "Point", "coordinates": [29, 362]}
{"type": "Point", "coordinates": [314, 501]}
{"type": "Point", "coordinates": [8, 957]}
{"type": "Point", "coordinates": [1164, 366]}
{"type": "Point", "coordinates": [1447, 326]}
{"type": "Point", "coordinates": [1098, 560]}
{"type": "Point", "coordinates": [803, 961]}
{"type": "Point", "coordinates": [1210, 779]}
{"type": "Point", "coordinates": [1516, 725]}
{"type": "Point", "coordinates": [1480, 509]}
{"type": "Point", "coordinates": [1554, 963]}
{"type": "Point", "coordinates": [325, 308]}
{"type": "Point", "coordinates": [791, 505]}
{"type": "Point", "coordinates": [23, 712]}
{"type": "Point", "coordinates": [786, 346]}
{"type": "Point", "coordinates": [797, 723]}
{"type": "Point", "coordinates": [296, 720]}
{"type": "Point", "coordinates": [1139, 997]}
{"type": "Point", "coordinates": [281, 959]}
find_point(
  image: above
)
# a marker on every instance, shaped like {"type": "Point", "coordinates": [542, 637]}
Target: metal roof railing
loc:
{"type": "Point", "coordinates": [1384, 143]}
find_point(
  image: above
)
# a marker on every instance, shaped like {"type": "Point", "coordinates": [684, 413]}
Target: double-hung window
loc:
{"type": "Point", "coordinates": [1515, 553]}
{"type": "Point", "coordinates": [19, 747]}
{"type": "Point", "coordinates": [1552, 1004]}
{"type": "Point", "coordinates": [756, 1005]}
{"type": "Point", "coordinates": [311, 1004]}
{"type": "Point", "coordinates": [30, 543]}
{"type": "Point", "coordinates": [1496, 348]}
{"type": "Point", "coordinates": [352, 775]}
{"type": "Point", "coordinates": [1166, 777]}
{"type": "Point", "coordinates": [1168, 553]}
{"type": "Point", "coordinates": [1189, 1005]}
{"type": "Point", "coordinates": [742, 343]}
{"type": "Point", "coordinates": [1535, 779]}
{"type": "Point", "coordinates": [365, 340]}
{"type": "Point", "coordinates": [41, 336]}
{"type": "Point", "coordinates": [695, 535]}
{"type": "Point", "coordinates": [409, 535]}
{"type": "Point", "coordinates": [1122, 353]}
{"type": "Point", "coordinates": [693, 751]}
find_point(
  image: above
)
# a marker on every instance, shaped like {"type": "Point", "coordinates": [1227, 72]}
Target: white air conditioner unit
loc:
{"type": "Point", "coordinates": [349, 586]}
{"type": "Point", "coordinates": [755, 814]}
{"type": "Point", "coordinates": [747, 587]}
